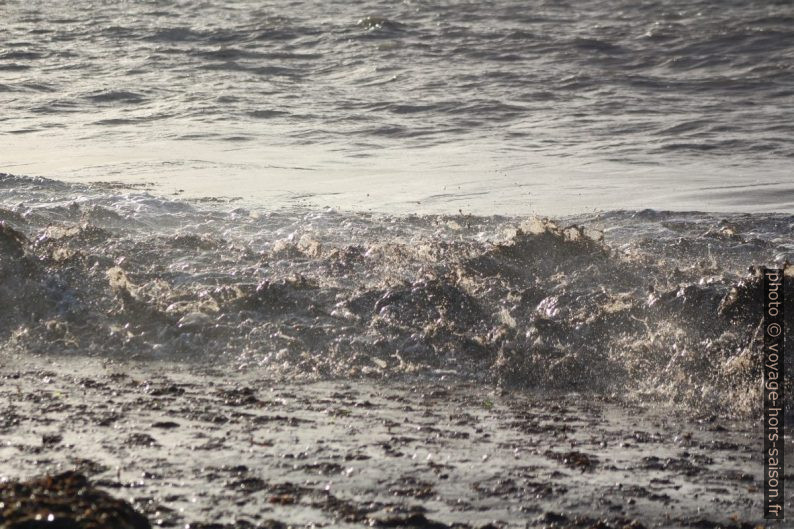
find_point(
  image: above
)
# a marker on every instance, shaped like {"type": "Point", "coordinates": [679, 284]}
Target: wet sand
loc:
{"type": "Point", "coordinates": [214, 448]}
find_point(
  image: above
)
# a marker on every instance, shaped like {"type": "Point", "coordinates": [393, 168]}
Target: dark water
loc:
{"type": "Point", "coordinates": [686, 96]}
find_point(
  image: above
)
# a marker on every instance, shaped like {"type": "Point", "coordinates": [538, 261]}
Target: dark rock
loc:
{"type": "Point", "coordinates": [414, 521]}
{"type": "Point", "coordinates": [141, 439]}
{"type": "Point", "coordinates": [64, 501]}
{"type": "Point", "coordinates": [554, 518]}
{"type": "Point", "coordinates": [574, 459]}
{"type": "Point", "coordinates": [165, 425]}
{"type": "Point", "coordinates": [51, 439]}
{"type": "Point", "coordinates": [11, 241]}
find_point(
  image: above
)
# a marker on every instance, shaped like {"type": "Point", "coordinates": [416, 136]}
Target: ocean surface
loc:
{"type": "Point", "coordinates": [490, 106]}
{"type": "Point", "coordinates": [364, 190]}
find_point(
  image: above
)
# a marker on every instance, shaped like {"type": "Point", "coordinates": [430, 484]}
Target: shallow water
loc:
{"type": "Point", "coordinates": [491, 107]}
{"type": "Point", "coordinates": [235, 450]}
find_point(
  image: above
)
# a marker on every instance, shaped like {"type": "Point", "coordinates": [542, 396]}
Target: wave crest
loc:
{"type": "Point", "coordinates": [621, 302]}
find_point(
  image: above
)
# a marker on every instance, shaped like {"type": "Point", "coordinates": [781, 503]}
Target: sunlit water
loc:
{"type": "Point", "coordinates": [490, 107]}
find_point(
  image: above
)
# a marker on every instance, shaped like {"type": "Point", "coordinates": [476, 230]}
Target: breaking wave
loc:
{"type": "Point", "coordinates": [650, 302]}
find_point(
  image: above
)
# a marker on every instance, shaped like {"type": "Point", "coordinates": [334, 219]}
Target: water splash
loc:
{"type": "Point", "coordinates": [652, 302]}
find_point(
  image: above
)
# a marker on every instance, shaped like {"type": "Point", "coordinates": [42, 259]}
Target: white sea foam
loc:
{"type": "Point", "coordinates": [651, 301]}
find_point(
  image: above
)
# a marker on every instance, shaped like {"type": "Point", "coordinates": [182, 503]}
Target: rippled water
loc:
{"type": "Point", "coordinates": [491, 106]}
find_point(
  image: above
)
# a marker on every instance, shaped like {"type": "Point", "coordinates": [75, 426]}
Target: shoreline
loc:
{"type": "Point", "coordinates": [192, 446]}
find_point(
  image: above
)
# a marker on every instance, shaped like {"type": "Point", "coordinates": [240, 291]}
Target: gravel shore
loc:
{"type": "Point", "coordinates": [203, 447]}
